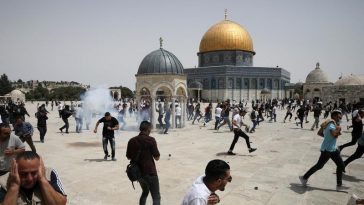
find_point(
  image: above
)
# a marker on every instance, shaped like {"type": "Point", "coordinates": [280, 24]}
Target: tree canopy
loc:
{"type": "Point", "coordinates": [5, 85]}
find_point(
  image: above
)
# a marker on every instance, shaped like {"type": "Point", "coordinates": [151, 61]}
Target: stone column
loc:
{"type": "Point", "coordinates": [183, 107]}
{"type": "Point", "coordinates": [173, 113]}
{"type": "Point", "coordinates": [153, 113]}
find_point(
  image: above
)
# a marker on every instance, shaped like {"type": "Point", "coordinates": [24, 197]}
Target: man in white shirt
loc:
{"type": "Point", "coordinates": [202, 191]}
{"type": "Point", "coordinates": [237, 123]}
{"type": "Point", "coordinates": [10, 146]}
{"type": "Point", "coordinates": [218, 110]}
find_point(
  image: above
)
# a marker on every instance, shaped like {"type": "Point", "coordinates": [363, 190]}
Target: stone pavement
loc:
{"type": "Point", "coordinates": [267, 176]}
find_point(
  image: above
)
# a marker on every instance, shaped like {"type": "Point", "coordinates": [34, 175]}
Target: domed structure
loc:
{"type": "Point", "coordinates": [161, 82]}
{"type": "Point", "coordinates": [348, 89]}
{"type": "Point", "coordinates": [225, 68]}
{"type": "Point", "coordinates": [315, 81]}
{"type": "Point", "coordinates": [317, 76]}
{"type": "Point", "coordinates": [226, 43]}
{"type": "Point", "coordinates": [160, 62]}
{"type": "Point", "coordinates": [17, 96]}
{"type": "Point", "coordinates": [350, 80]}
{"type": "Point", "coordinates": [226, 35]}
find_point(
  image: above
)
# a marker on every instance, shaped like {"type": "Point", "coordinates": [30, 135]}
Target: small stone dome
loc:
{"type": "Point", "coordinates": [265, 91]}
{"type": "Point", "coordinates": [350, 80]}
{"type": "Point", "coordinates": [317, 76]}
{"type": "Point", "coordinates": [16, 93]}
{"type": "Point", "coordinates": [160, 62]}
{"type": "Point", "coordinates": [195, 85]}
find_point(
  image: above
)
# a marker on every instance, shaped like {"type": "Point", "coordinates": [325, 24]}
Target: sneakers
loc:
{"type": "Point", "coordinates": [60, 130]}
{"type": "Point", "coordinates": [113, 159]}
{"type": "Point", "coordinates": [303, 180]}
{"type": "Point", "coordinates": [105, 157]}
{"type": "Point", "coordinates": [252, 150]}
{"type": "Point", "coordinates": [230, 153]}
{"type": "Point", "coordinates": [341, 187]}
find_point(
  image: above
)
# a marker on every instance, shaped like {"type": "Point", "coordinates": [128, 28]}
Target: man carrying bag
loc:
{"type": "Point", "coordinates": [142, 150]}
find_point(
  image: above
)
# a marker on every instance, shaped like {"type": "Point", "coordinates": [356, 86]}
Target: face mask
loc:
{"type": "Point", "coordinates": [339, 122]}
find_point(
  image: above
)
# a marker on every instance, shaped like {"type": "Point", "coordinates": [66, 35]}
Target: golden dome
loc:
{"type": "Point", "coordinates": [226, 35]}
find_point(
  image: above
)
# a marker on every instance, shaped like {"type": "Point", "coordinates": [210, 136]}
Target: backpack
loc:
{"type": "Point", "coordinates": [133, 170]}
{"type": "Point", "coordinates": [253, 115]}
{"type": "Point", "coordinates": [323, 125]}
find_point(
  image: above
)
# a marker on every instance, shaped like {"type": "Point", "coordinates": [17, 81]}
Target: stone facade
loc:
{"type": "Point", "coordinates": [314, 90]}
{"type": "Point", "coordinates": [346, 93]}
{"type": "Point", "coordinates": [237, 82]}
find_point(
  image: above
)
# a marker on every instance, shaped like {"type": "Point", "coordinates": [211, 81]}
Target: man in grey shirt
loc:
{"type": "Point", "coordinates": [10, 146]}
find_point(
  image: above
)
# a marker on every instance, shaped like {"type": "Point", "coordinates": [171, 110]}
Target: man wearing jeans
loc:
{"type": "Point", "coordinates": [110, 124]}
{"type": "Point", "coordinates": [316, 115]}
{"type": "Point", "coordinates": [149, 152]}
{"type": "Point", "coordinates": [329, 151]}
{"type": "Point", "coordinates": [237, 123]}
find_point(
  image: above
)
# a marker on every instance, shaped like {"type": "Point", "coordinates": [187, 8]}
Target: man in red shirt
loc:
{"type": "Point", "coordinates": [148, 153]}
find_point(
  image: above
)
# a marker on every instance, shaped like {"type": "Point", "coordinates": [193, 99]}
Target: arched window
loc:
{"type": "Point", "coordinates": [231, 83]}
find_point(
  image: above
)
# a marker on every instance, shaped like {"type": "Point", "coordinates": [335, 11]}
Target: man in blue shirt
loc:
{"type": "Point", "coordinates": [328, 150]}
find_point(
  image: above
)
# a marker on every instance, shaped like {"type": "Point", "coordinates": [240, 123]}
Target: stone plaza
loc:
{"type": "Point", "coordinates": [267, 176]}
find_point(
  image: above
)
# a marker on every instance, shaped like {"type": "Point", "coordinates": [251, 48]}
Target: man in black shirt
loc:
{"type": "Point", "coordinates": [357, 130]}
{"type": "Point", "coordinates": [300, 115]}
{"type": "Point", "coordinates": [110, 124]}
{"type": "Point", "coordinates": [316, 115]}
{"type": "Point", "coordinates": [42, 123]}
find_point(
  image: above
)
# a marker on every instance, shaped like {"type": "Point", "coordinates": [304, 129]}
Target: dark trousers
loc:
{"type": "Point", "coordinates": [357, 154]}
{"type": "Point", "coordinates": [150, 184]}
{"type": "Point", "coordinates": [255, 123]}
{"type": "Point", "coordinates": [239, 133]}
{"type": "Point", "coordinates": [168, 124]}
{"type": "Point", "coordinates": [290, 115]}
{"type": "Point", "coordinates": [301, 120]}
{"type": "Point", "coordinates": [66, 124]}
{"type": "Point", "coordinates": [260, 118]}
{"type": "Point", "coordinates": [324, 157]}
{"type": "Point", "coordinates": [42, 132]}
{"type": "Point", "coordinates": [354, 139]}
{"type": "Point", "coordinates": [160, 117]}
{"type": "Point", "coordinates": [195, 117]}
{"type": "Point", "coordinates": [105, 141]}
{"type": "Point", "coordinates": [29, 140]}
{"type": "Point", "coordinates": [218, 120]}
{"type": "Point", "coordinates": [226, 121]}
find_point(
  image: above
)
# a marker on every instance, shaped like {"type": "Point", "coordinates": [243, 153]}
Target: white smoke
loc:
{"type": "Point", "coordinates": [98, 101]}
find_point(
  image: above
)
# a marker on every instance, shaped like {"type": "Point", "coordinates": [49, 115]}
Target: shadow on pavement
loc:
{"type": "Point", "coordinates": [300, 189]}
{"type": "Point", "coordinates": [243, 155]}
{"type": "Point", "coordinates": [351, 178]}
{"type": "Point", "coordinates": [97, 160]}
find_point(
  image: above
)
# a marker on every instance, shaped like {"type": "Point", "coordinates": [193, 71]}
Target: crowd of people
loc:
{"type": "Point", "coordinates": [23, 174]}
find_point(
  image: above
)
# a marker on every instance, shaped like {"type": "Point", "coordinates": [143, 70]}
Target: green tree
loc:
{"type": "Point", "coordinates": [67, 93]}
{"type": "Point", "coordinates": [125, 92]}
{"type": "Point", "coordinates": [5, 85]}
{"type": "Point", "coordinates": [39, 93]}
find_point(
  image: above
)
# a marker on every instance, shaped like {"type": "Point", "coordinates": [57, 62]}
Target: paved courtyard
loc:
{"type": "Point", "coordinates": [267, 176]}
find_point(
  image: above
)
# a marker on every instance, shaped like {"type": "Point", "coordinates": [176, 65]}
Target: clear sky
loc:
{"type": "Point", "coordinates": [102, 42]}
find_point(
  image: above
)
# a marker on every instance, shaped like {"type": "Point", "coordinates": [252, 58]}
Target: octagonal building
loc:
{"type": "Point", "coordinates": [225, 68]}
